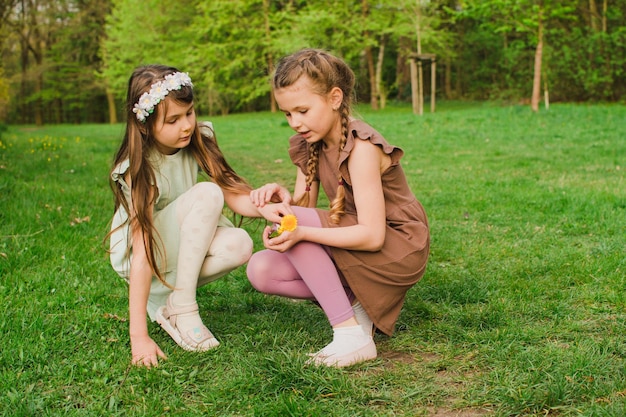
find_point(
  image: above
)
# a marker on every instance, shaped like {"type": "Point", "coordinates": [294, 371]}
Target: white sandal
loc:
{"type": "Point", "coordinates": [199, 339]}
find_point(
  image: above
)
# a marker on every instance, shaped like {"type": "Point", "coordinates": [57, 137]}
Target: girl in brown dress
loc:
{"type": "Point", "coordinates": [358, 259]}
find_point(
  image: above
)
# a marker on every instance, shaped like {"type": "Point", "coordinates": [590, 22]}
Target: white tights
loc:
{"type": "Point", "coordinates": [209, 247]}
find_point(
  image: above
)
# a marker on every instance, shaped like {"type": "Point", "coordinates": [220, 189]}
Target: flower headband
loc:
{"type": "Point", "coordinates": [145, 106]}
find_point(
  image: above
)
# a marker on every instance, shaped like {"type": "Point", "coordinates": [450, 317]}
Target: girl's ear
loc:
{"type": "Point", "coordinates": [335, 97]}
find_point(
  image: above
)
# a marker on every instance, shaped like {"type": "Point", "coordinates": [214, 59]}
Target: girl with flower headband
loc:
{"type": "Point", "coordinates": [168, 234]}
{"type": "Point", "coordinates": [358, 260]}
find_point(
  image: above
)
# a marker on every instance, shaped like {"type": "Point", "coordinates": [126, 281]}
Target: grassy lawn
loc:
{"type": "Point", "coordinates": [522, 310]}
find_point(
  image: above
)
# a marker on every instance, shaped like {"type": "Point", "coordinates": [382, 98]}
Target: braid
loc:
{"type": "Point", "coordinates": [311, 171]}
{"type": "Point", "coordinates": [337, 206]}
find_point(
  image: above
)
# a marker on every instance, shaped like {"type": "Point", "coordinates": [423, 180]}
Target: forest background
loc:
{"type": "Point", "coordinates": [69, 61]}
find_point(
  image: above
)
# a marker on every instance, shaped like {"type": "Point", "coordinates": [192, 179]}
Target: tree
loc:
{"type": "Point", "coordinates": [527, 21]}
{"type": "Point", "coordinates": [61, 63]}
{"type": "Point", "coordinates": [237, 54]}
{"type": "Point", "coordinates": [44, 41]}
{"type": "Point", "coordinates": [246, 35]}
{"type": "Point", "coordinates": [6, 7]}
{"type": "Point", "coordinates": [416, 26]}
{"type": "Point", "coordinates": [379, 28]}
{"type": "Point", "coordinates": [30, 26]}
{"type": "Point", "coordinates": [4, 95]}
{"type": "Point", "coordinates": [72, 91]}
{"type": "Point", "coordinates": [147, 32]}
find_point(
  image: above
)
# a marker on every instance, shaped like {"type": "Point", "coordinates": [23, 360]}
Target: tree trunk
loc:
{"type": "Point", "coordinates": [414, 86]}
{"type": "Point", "coordinates": [534, 101]}
{"type": "Point", "coordinates": [36, 46]}
{"type": "Point", "coordinates": [270, 58]}
{"type": "Point", "coordinates": [38, 88]}
{"type": "Point", "coordinates": [433, 84]}
{"type": "Point", "coordinates": [23, 106]}
{"type": "Point", "coordinates": [420, 88]}
{"type": "Point", "coordinates": [458, 85]}
{"type": "Point", "coordinates": [112, 109]}
{"type": "Point", "coordinates": [380, 89]}
{"type": "Point", "coordinates": [403, 74]}
{"type": "Point", "coordinates": [546, 93]}
{"type": "Point", "coordinates": [594, 16]}
{"type": "Point", "coordinates": [369, 57]}
{"type": "Point", "coordinates": [448, 78]}
{"type": "Point", "coordinates": [420, 74]}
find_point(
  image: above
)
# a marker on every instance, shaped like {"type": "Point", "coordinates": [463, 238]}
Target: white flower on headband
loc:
{"type": "Point", "coordinates": [158, 91]}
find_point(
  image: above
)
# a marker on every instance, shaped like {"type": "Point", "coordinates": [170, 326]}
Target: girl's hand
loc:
{"type": "Point", "coordinates": [145, 352]}
{"type": "Point", "coordinates": [274, 212]}
{"type": "Point", "coordinates": [280, 243]}
{"type": "Point", "coordinates": [268, 193]}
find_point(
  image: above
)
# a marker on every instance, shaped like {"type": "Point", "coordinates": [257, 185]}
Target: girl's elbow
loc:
{"type": "Point", "coordinates": [376, 243]}
{"type": "Point", "coordinates": [378, 247]}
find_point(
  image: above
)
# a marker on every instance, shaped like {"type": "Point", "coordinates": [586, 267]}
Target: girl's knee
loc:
{"type": "Point", "coordinates": [208, 191]}
{"type": "Point", "coordinates": [258, 271]}
{"type": "Point", "coordinates": [242, 244]}
{"type": "Point", "coordinates": [233, 246]}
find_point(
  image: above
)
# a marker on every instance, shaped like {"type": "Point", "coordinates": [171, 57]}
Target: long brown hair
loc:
{"type": "Point", "coordinates": [325, 72]}
{"type": "Point", "coordinates": [139, 141]}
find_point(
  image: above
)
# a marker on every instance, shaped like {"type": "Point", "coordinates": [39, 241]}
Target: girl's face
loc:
{"type": "Point", "coordinates": [173, 132]}
{"type": "Point", "coordinates": [312, 115]}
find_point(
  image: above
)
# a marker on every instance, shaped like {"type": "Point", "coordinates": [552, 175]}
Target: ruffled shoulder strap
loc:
{"type": "Point", "coordinates": [206, 128]}
{"type": "Point", "coordinates": [120, 170]}
{"type": "Point", "coordinates": [359, 130]}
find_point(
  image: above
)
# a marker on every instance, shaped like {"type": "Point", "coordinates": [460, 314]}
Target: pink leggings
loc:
{"type": "Point", "coordinates": [305, 271]}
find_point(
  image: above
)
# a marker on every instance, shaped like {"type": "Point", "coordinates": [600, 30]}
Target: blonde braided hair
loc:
{"type": "Point", "coordinates": [325, 72]}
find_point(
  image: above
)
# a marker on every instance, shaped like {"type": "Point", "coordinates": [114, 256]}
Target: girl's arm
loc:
{"type": "Point", "coordinates": [145, 352]}
{"type": "Point", "coordinates": [242, 204]}
{"type": "Point", "coordinates": [365, 164]}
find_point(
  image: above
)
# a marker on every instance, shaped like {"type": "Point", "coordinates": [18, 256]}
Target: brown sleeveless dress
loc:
{"type": "Point", "coordinates": [379, 279]}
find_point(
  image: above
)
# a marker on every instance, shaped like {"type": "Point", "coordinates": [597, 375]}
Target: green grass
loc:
{"type": "Point", "coordinates": [522, 310]}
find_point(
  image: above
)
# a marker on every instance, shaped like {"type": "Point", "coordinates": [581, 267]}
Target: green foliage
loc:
{"type": "Point", "coordinates": [521, 312]}
{"type": "Point", "coordinates": [61, 58]}
{"type": "Point", "coordinates": [235, 45]}
{"type": "Point", "coordinates": [147, 32]}
{"type": "Point", "coordinates": [74, 56]}
{"type": "Point", "coordinates": [591, 67]}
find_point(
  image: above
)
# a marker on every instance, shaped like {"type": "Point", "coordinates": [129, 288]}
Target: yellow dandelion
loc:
{"type": "Point", "coordinates": [288, 223]}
